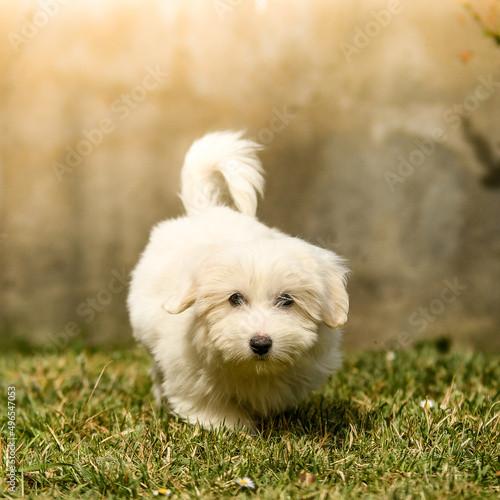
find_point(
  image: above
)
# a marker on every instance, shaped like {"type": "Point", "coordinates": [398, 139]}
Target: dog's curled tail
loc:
{"type": "Point", "coordinates": [218, 157]}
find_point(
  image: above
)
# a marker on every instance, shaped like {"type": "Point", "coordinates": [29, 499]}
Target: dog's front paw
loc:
{"type": "Point", "coordinates": [229, 420]}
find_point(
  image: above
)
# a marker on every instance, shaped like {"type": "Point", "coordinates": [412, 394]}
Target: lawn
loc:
{"type": "Point", "coordinates": [86, 427]}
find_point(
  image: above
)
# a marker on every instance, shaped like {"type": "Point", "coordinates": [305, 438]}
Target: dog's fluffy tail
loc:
{"type": "Point", "coordinates": [218, 163]}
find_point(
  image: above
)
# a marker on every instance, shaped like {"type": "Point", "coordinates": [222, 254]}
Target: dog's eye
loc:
{"type": "Point", "coordinates": [237, 299]}
{"type": "Point", "coordinates": [284, 300]}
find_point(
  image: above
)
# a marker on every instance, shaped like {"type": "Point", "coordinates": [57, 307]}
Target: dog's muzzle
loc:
{"type": "Point", "coordinates": [260, 345]}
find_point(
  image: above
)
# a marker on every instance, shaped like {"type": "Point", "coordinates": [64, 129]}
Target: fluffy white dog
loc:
{"type": "Point", "coordinates": [228, 308]}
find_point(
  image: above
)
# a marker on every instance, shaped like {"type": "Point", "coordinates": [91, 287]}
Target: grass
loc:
{"type": "Point", "coordinates": [86, 427]}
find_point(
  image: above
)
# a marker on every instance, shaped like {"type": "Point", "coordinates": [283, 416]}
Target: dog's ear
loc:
{"type": "Point", "coordinates": [183, 296]}
{"type": "Point", "coordinates": [336, 304]}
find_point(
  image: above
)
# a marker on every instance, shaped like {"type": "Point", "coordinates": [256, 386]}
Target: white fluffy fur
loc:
{"type": "Point", "coordinates": [179, 297]}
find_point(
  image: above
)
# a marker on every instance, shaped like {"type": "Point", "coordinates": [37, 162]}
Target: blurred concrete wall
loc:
{"type": "Point", "coordinates": [382, 131]}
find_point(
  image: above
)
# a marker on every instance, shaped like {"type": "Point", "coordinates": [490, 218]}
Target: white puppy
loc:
{"type": "Point", "coordinates": [228, 308]}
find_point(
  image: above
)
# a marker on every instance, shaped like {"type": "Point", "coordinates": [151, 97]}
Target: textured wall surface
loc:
{"type": "Point", "coordinates": [381, 121]}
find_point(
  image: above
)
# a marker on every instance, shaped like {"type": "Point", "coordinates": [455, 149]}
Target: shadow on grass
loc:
{"type": "Point", "coordinates": [320, 417]}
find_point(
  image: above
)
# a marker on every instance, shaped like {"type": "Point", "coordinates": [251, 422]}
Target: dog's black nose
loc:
{"type": "Point", "coordinates": [260, 345]}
